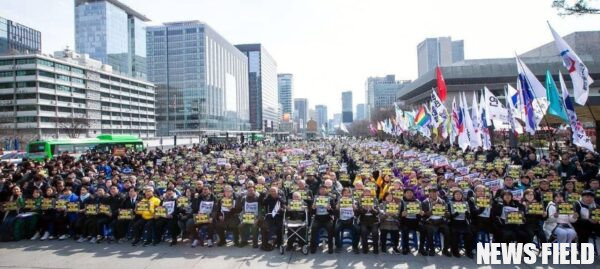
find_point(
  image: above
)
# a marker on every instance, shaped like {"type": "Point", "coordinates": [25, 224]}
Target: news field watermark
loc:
{"type": "Point", "coordinates": [549, 253]}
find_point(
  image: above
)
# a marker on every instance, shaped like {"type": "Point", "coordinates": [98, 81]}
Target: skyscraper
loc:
{"type": "Point", "coordinates": [263, 92]}
{"type": "Point", "coordinates": [440, 51]}
{"type": "Point", "coordinates": [360, 112]}
{"type": "Point", "coordinates": [286, 93]}
{"type": "Point", "coordinates": [321, 111]}
{"type": "Point", "coordinates": [17, 39]}
{"type": "Point", "coordinates": [347, 107]}
{"type": "Point", "coordinates": [301, 112]}
{"type": "Point", "coordinates": [201, 79]}
{"type": "Point", "coordinates": [113, 33]}
{"type": "Point", "coordinates": [381, 92]}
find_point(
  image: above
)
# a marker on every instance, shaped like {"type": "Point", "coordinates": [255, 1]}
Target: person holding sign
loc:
{"type": "Point", "coordinates": [559, 223]}
{"type": "Point", "coordinates": [227, 217]}
{"type": "Point", "coordinates": [126, 216]}
{"type": "Point", "coordinates": [48, 216]}
{"type": "Point", "coordinates": [389, 223]}
{"type": "Point", "coordinates": [66, 218]}
{"type": "Point", "coordinates": [345, 220]}
{"type": "Point", "coordinates": [34, 206]}
{"type": "Point", "coordinates": [81, 227]}
{"type": "Point", "coordinates": [169, 220]}
{"type": "Point", "coordinates": [146, 220]}
{"type": "Point", "coordinates": [435, 220]}
{"type": "Point", "coordinates": [324, 216]}
{"type": "Point", "coordinates": [585, 224]}
{"type": "Point", "coordinates": [249, 208]}
{"type": "Point", "coordinates": [480, 211]}
{"type": "Point", "coordinates": [410, 215]}
{"type": "Point", "coordinates": [274, 205]}
{"type": "Point", "coordinates": [507, 215]}
{"type": "Point", "coordinates": [459, 223]}
{"type": "Point", "coordinates": [296, 211]}
{"type": "Point", "coordinates": [368, 216]}
{"type": "Point", "coordinates": [204, 210]}
{"type": "Point", "coordinates": [7, 233]}
{"type": "Point", "coordinates": [534, 217]}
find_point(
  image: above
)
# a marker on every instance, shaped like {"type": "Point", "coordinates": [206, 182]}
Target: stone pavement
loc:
{"type": "Point", "coordinates": [69, 254]}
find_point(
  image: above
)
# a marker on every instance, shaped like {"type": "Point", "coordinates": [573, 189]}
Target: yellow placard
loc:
{"type": "Point", "coordinates": [391, 209]}
{"type": "Point", "coordinates": [125, 214]}
{"type": "Point", "coordinates": [9, 206]}
{"type": "Point", "coordinates": [182, 201]}
{"type": "Point", "coordinates": [514, 218]}
{"type": "Point", "coordinates": [573, 197]}
{"type": "Point", "coordinates": [72, 207]}
{"type": "Point", "coordinates": [47, 203]}
{"type": "Point", "coordinates": [413, 208]}
{"type": "Point", "coordinates": [366, 201]}
{"type": "Point", "coordinates": [482, 202]}
{"type": "Point", "coordinates": [438, 210]}
{"type": "Point", "coordinates": [104, 209]}
{"type": "Point", "coordinates": [259, 188]}
{"type": "Point", "coordinates": [29, 204]}
{"type": "Point", "coordinates": [596, 214]}
{"type": "Point", "coordinates": [227, 202]}
{"type": "Point", "coordinates": [160, 211]}
{"type": "Point", "coordinates": [322, 201]}
{"type": "Point", "coordinates": [547, 196]}
{"type": "Point", "coordinates": [346, 202]}
{"type": "Point", "coordinates": [565, 208]}
{"type": "Point", "coordinates": [201, 218]}
{"type": "Point", "coordinates": [344, 178]}
{"type": "Point", "coordinates": [61, 204]}
{"type": "Point", "coordinates": [296, 205]}
{"type": "Point", "coordinates": [460, 208]}
{"type": "Point", "coordinates": [555, 185]}
{"type": "Point", "coordinates": [142, 206]}
{"type": "Point", "coordinates": [91, 209]}
{"type": "Point", "coordinates": [535, 209]}
{"type": "Point", "coordinates": [248, 218]}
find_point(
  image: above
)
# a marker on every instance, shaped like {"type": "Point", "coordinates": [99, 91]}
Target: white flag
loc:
{"type": "Point", "coordinates": [533, 96]}
{"type": "Point", "coordinates": [476, 123]}
{"type": "Point", "coordinates": [343, 128]}
{"type": "Point", "coordinates": [580, 138]}
{"type": "Point", "coordinates": [578, 71]}
{"type": "Point", "coordinates": [495, 110]}
{"type": "Point", "coordinates": [438, 110]}
{"type": "Point", "coordinates": [464, 137]}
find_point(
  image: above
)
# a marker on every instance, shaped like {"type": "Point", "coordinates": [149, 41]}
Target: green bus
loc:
{"type": "Point", "coordinates": [116, 144]}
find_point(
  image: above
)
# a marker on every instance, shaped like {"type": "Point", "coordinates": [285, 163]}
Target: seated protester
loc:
{"type": "Point", "coordinates": [323, 211]}
{"type": "Point", "coordinates": [368, 218]}
{"type": "Point", "coordinates": [121, 226]}
{"type": "Point", "coordinates": [184, 212]}
{"type": "Point", "coordinates": [509, 226]}
{"type": "Point", "coordinates": [7, 233]}
{"type": "Point", "coordinates": [389, 223]}
{"type": "Point", "coordinates": [410, 215]}
{"type": "Point", "coordinates": [585, 225]}
{"type": "Point", "coordinates": [568, 190]}
{"type": "Point", "coordinates": [509, 185]}
{"type": "Point", "coordinates": [296, 212]}
{"type": "Point", "coordinates": [227, 217]}
{"type": "Point", "coordinates": [435, 220]}
{"type": "Point", "coordinates": [204, 210]}
{"type": "Point", "coordinates": [249, 208]}
{"type": "Point", "coordinates": [113, 201]}
{"type": "Point", "coordinates": [48, 216]}
{"type": "Point", "coordinates": [594, 187]}
{"type": "Point", "coordinates": [559, 223]}
{"type": "Point", "coordinates": [145, 208]}
{"type": "Point", "coordinates": [104, 213]}
{"type": "Point", "coordinates": [169, 221]}
{"type": "Point", "coordinates": [543, 193]}
{"type": "Point", "coordinates": [37, 210]}
{"type": "Point", "coordinates": [66, 220]}
{"type": "Point", "coordinates": [274, 205]}
{"type": "Point", "coordinates": [533, 220]}
{"type": "Point", "coordinates": [81, 231]}
{"type": "Point", "coordinates": [346, 208]}
{"type": "Point", "coordinates": [459, 223]}
{"type": "Point", "coordinates": [524, 182]}
{"type": "Point", "coordinates": [481, 211]}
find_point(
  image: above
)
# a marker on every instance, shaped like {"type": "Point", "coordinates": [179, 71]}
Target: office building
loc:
{"type": "Point", "coordinates": [337, 120]}
{"type": "Point", "coordinates": [286, 93]}
{"type": "Point", "coordinates": [321, 115]}
{"type": "Point", "coordinates": [70, 96]}
{"type": "Point", "coordinates": [440, 51]}
{"type": "Point", "coordinates": [360, 112]}
{"type": "Point", "coordinates": [263, 92]}
{"type": "Point", "coordinates": [201, 79]}
{"type": "Point", "coordinates": [381, 93]}
{"type": "Point", "coordinates": [301, 112]}
{"type": "Point", "coordinates": [18, 39]}
{"type": "Point", "coordinates": [347, 107]}
{"type": "Point", "coordinates": [113, 33]}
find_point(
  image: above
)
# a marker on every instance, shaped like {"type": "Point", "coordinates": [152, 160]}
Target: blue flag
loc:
{"type": "Point", "coordinates": [557, 105]}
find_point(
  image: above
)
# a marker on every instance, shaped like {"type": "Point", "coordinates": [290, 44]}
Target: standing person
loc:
{"type": "Point", "coordinates": [435, 220]}
{"type": "Point", "coordinates": [389, 223]}
{"type": "Point", "coordinates": [502, 211]}
{"type": "Point", "coordinates": [7, 233]}
{"type": "Point", "coordinates": [324, 219]}
{"type": "Point", "coordinates": [145, 208]}
{"type": "Point", "coordinates": [368, 212]}
{"type": "Point", "coordinates": [274, 205]}
{"type": "Point", "coordinates": [585, 225]}
{"type": "Point", "coordinates": [346, 208]}
{"type": "Point", "coordinates": [410, 214]}
{"type": "Point", "coordinates": [481, 211]}
{"type": "Point", "coordinates": [459, 223]}
{"type": "Point", "coordinates": [533, 220]}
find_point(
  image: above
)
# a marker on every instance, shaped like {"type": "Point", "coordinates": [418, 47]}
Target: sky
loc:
{"type": "Point", "coordinates": [333, 46]}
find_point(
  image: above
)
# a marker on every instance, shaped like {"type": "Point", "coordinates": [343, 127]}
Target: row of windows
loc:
{"type": "Point", "coordinates": [123, 114]}
{"type": "Point", "coordinates": [135, 123]}
{"type": "Point", "coordinates": [125, 90]}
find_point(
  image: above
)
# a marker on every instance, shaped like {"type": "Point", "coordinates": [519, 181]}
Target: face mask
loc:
{"type": "Point", "coordinates": [84, 196]}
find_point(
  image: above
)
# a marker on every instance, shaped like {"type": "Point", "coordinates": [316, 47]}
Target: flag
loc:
{"type": "Point", "coordinates": [533, 95]}
{"type": "Point", "coordinates": [496, 114]}
{"type": "Point", "coordinates": [557, 105]}
{"type": "Point", "coordinates": [485, 131]}
{"type": "Point", "coordinates": [476, 123]}
{"type": "Point", "coordinates": [343, 128]}
{"type": "Point", "coordinates": [439, 114]}
{"type": "Point", "coordinates": [580, 138]}
{"type": "Point", "coordinates": [512, 119]}
{"type": "Point", "coordinates": [464, 132]}
{"type": "Point", "coordinates": [454, 122]}
{"type": "Point", "coordinates": [578, 71]}
{"type": "Point", "coordinates": [515, 105]}
{"type": "Point", "coordinates": [441, 84]}
{"type": "Point", "coordinates": [422, 118]}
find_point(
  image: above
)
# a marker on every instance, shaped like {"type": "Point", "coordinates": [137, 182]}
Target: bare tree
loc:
{"type": "Point", "coordinates": [73, 127]}
{"type": "Point", "coordinates": [382, 114]}
{"type": "Point", "coordinates": [575, 7]}
{"type": "Point", "coordinates": [359, 128]}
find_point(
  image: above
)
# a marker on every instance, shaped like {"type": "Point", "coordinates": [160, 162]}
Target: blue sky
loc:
{"type": "Point", "coordinates": [334, 45]}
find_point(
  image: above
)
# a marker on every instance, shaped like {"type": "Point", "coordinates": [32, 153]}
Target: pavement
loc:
{"type": "Point", "coordinates": [69, 254]}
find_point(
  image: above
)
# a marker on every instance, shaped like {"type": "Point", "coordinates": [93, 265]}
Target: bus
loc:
{"type": "Point", "coordinates": [115, 144]}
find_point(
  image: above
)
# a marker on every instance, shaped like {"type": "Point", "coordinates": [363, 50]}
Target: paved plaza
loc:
{"type": "Point", "coordinates": [68, 254]}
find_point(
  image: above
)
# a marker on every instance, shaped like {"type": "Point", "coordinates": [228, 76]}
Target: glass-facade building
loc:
{"type": "Point", "coordinates": [321, 117]}
{"type": "Point", "coordinates": [263, 92]}
{"type": "Point", "coordinates": [301, 112]}
{"type": "Point", "coordinates": [17, 39]}
{"type": "Point", "coordinates": [347, 115]}
{"type": "Point", "coordinates": [286, 92]}
{"type": "Point", "coordinates": [201, 79]}
{"type": "Point", "coordinates": [113, 33]}
{"type": "Point", "coordinates": [381, 93]}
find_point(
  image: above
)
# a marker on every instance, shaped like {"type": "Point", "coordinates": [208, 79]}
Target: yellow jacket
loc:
{"type": "Point", "coordinates": [152, 204]}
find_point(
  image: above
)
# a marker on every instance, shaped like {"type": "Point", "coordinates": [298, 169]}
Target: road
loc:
{"type": "Point", "coordinates": [69, 254]}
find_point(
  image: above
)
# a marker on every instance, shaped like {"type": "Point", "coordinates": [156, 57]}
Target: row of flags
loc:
{"type": "Point", "coordinates": [526, 107]}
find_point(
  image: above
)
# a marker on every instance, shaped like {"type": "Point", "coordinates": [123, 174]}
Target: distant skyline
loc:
{"type": "Point", "coordinates": [334, 45]}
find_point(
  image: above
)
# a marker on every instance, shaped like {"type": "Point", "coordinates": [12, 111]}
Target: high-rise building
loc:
{"type": "Point", "coordinates": [381, 93]}
{"type": "Point", "coordinates": [321, 111]}
{"type": "Point", "coordinates": [70, 96]}
{"type": "Point", "coordinates": [201, 79]}
{"type": "Point", "coordinates": [440, 51]}
{"type": "Point", "coordinates": [18, 39]}
{"type": "Point", "coordinates": [347, 107]}
{"type": "Point", "coordinates": [286, 93]}
{"type": "Point", "coordinates": [301, 112]}
{"type": "Point", "coordinates": [113, 33]}
{"type": "Point", "coordinates": [337, 120]}
{"type": "Point", "coordinates": [263, 92]}
{"type": "Point", "coordinates": [360, 112]}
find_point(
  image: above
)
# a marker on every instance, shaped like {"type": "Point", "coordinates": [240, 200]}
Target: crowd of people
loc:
{"type": "Point", "coordinates": [370, 195]}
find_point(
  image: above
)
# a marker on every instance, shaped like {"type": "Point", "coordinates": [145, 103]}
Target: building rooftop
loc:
{"type": "Point", "coordinates": [120, 5]}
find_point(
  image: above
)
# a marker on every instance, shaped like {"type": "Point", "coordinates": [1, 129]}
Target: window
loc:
{"type": "Point", "coordinates": [46, 85]}
{"type": "Point", "coordinates": [78, 90]}
{"type": "Point", "coordinates": [26, 108]}
{"type": "Point", "coordinates": [26, 119]}
{"type": "Point", "coordinates": [45, 63]}
{"type": "Point", "coordinates": [6, 109]}
{"type": "Point", "coordinates": [48, 108]}
{"type": "Point", "coordinates": [6, 97]}
{"type": "Point", "coordinates": [26, 73]}
{"type": "Point", "coordinates": [79, 110]}
{"type": "Point", "coordinates": [64, 99]}
{"type": "Point", "coordinates": [105, 113]}
{"type": "Point", "coordinates": [79, 101]}
{"type": "Point", "coordinates": [6, 74]}
{"type": "Point", "coordinates": [77, 80]}
{"type": "Point", "coordinates": [46, 119]}
{"type": "Point", "coordinates": [46, 74]}
{"type": "Point", "coordinates": [6, 62]}
{"type": "Point", "coordinates": [26, 96]}
{"type": "Point", "coordinates": [26, 61]}
{"type": "Point", "coordinates": [77, 70]}
{"type": "Point", "coordinates": [63, 88]}
{"type": "Point", "coordinates": [26, 84]}
{"type": "Point", "coordinates": [47, 96]}
{"type": "Point", "coordinates": [7, 85]}
{"type": "Point", "coordinates": [63, 67]}
{"type": "Point", "coordinates": [64, 109]}
{"type": "Point", "coordinates": [63, 78]}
